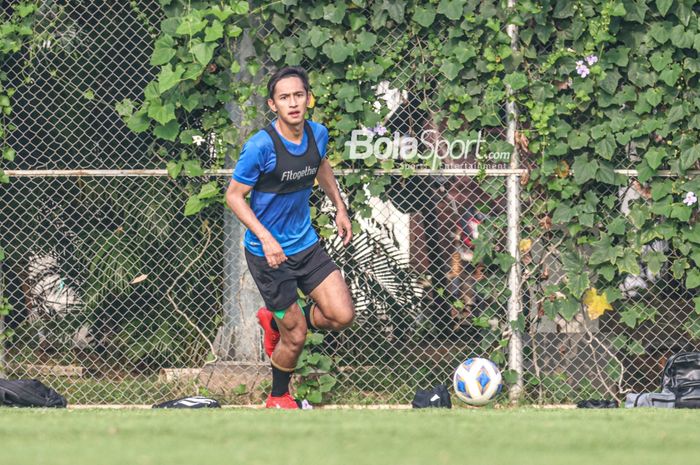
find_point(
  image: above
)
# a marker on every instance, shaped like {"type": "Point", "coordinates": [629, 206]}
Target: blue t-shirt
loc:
{"type": "Point", "coordinates": [286, 216]}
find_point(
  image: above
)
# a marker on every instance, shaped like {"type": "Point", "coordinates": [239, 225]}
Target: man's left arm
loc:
{"type": "Point", "coordinates": [326, 179]}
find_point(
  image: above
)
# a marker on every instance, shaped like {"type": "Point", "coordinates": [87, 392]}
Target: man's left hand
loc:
{"type": "Point", "coordinates": [342, 222]}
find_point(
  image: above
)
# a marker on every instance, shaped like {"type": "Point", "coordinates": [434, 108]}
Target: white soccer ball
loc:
{"type": "Point", "coordinates": [477, 381]}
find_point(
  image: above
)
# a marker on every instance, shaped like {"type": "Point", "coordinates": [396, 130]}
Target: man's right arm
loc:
{"type": "Point", "coordinates": [235, 199]}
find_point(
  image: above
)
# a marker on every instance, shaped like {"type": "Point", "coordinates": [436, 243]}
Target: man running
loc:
{"type": "Point", "coordinates": [279, 165]}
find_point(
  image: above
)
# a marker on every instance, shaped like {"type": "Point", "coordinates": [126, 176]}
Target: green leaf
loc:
{"type": "Point", "coordinates": [209, 190]}
{"type": "Point", "coordinates": [138, 122]}
{"type": "Point", "coordinates": [678, 268]}
{"type": "Point", "coordinates": [318, 36]}
{"type": "Point", "coordinates": [204, 52]}
{"type": "Point", "coordinates": [578, 139]}
{"type": "Point", "coordinates": [168, 131]}
{"type": "Point", "coordinates": [606, 147]}
{"type": "Point", "coordinates": [610, 81]}
{"type": "Point", "coordinates": [453, 9]}
{"type": "Point", "coordinates": [161, 113]}
{"type": "Point", "coordinates": [169, 77]}
{"type": "Point", "coordinates": [214, 32]}
{"type": "Point", "coordinates": [653, 97]}
{"type": "Point", "coordinates": [327, 380]}
{"type": "Point", "coordinates": [690, 156]}
{"type": "Point", "coordinates": [174, 168]}
{"type": "Point", "coordinates": [660, 189]}
{"type": "Point", "coordinates": [2, 254]}
{"type": "Point", "coordinates": [365, 41]}
{"type": "Point", "coordinates": [193, 206]}
{"type": "Point", "coordinates": [628, 263]}
{"type": "Point", "coordinates": [334, 12]}
{"type": "Point", "coordinates": [636, 10]}
{"type": "Point", "coordinates": [563, 214]}
{"type": "Point", "coordinates": [618, 226]}
{"type": "Point", "coordinates": [240, 7]}
{"type": "Point", "coordinates": [578, 283]}
{"type": "Point", "coordinates": [124, 108]}
{"type": "Point", "coordinates": [425, 16]}
{"type": "Point", "coordinates": [654, 157]}
{"type": "Point", "coordinates": [450, 69]}
{"type": "Point", "coordinates": [607, 272]}
{"type": "Point", "coordinates": [505, 261]}
{"type": "Point", "coordinates": [190, 25]}
{"type": "Point", "coordinates": [276, 51]}
{"type": "Point", "coordinates": [661, 32]}
{"type": "Point", "coordinates": [338, 51]}
{"type": "Point", "coordinates": [663, 6]}
{"type": "Point", "coordinates": [516, 80]}
{"type": "Point", "coordinates": [692, 279]}
{"type": "Point", "coordinates": [221, 13]}
{"type": "Point", "coordinates": [396, 9]}
{"type": "Point", "coordinates": [193, 168]}
{"type": "Point", "coordinates": [604, 252]}
{"type": "Point", "coordinates": [629, 317]}
{"type": "Point", "coordinates": [655, 261]}
{"type": "Point", "coordinates": [8, 153]}
{"type": "Point", "coordinates": [660, 60]}
{"type": "Point", "coordinates": [315, 397]}
{"type": "Point", "coordinates": [357, 21]}
{"type": "Point", "coordinates": [681, 212]}
{"type": "Point", "coordinates": [195, 70]}
{"type": "Point", "coordinates": [691, 234]}
{"type": "Point", "coordinates": [233, 30]}
{"type": "Point", "coordinates": [568, 308]}
{"type": "Point", "coordinates": [190, 102]}
{"type": "Point", "coordinates": [162, 56]}
{"type": "Point", "coordinates": [670, 76]}
{"type": "Point", "coordinates": [584, 169]}
{"type": "Point", "coordinates": [464, 53]}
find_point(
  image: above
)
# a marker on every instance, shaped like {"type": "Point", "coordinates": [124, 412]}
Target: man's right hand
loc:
{"type": "Point", "coordinates": [273, 252]}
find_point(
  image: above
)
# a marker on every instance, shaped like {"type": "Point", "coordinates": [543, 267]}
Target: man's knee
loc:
{"type": "Point", "coordinates": [345, 317]}
{"type": "Point", "coordinates": [295, 337]}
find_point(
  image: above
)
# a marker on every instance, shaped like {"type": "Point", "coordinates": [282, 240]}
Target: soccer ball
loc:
{"type": "Point", "coordinates": [477, 381]}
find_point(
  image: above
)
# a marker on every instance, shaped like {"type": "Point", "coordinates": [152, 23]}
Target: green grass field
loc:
{"type": "Point", "coordinates": [349, 437]}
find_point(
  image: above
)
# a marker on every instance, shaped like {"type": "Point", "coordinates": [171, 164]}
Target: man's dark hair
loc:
{"type": "Point", "coordinates": [282, 73]}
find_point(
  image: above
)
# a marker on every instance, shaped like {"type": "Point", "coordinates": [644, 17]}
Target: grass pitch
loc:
{"type": "Point", "coordinates": [349, 437]}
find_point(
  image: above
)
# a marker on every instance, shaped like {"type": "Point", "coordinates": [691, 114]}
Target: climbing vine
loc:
{"type": "Point", "coordinates": [16, 31]}
{"type": "Point", "coordinates": [599, 84]}
{"type": "Point", "coordinates": [609, 85]}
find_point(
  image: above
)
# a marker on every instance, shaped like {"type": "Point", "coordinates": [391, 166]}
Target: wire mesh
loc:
{"type": "Point", "coordinates": [117, 295]}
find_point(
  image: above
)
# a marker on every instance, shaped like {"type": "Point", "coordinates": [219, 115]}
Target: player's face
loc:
{"type": "Point", "coordinates": [290, 100]}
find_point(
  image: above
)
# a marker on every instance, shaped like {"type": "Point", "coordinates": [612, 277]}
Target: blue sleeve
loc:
{"type": "Point", "coordinates": [322, 141]}
{"type": "Point", "coordinates": [250, 163]}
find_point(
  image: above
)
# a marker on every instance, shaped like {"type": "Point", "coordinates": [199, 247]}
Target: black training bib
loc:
{"type": "Point", "coordinates": [292, 173]}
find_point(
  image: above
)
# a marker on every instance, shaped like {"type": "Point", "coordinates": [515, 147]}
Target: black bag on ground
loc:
{"type": "Point", "coordinates": [190, 402]}
{"type": "Point", "coordinates": [29, 393]}
{"type": "Point", "coordinates": [681, 377]}
{"type": "Point", "coordinates": [435, 397]}
{"type": "Point", "coordinates": [597, 403]}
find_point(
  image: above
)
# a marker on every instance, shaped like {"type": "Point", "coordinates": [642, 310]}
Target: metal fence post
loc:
{"type": "Point", "coordinates": [239, 337]}
{"type": "Point", "coordinates": [2, 325]}
{"type": "Point", "coordinates": [515, 348]}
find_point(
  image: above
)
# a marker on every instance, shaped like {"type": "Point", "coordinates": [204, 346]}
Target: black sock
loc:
{"type": "Point", "coordinates": [280, 381]}
{"type": "Point", "coordinates": [307, 315]}
{"type": "Point", "coordinates": [273, 325]}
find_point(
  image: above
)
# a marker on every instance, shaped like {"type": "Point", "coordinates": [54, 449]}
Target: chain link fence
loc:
{"type": "Point", "coordinates": [119, 298]}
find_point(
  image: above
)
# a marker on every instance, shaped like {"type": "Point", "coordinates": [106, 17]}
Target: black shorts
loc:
{"type": "Point", "coordinates": [304, 270]}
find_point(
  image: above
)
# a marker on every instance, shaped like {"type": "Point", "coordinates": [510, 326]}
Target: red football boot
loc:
{"type": "Point", "coordinates": [285, 401]}
{"type": "Point", "coordinates": [270, 336]}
